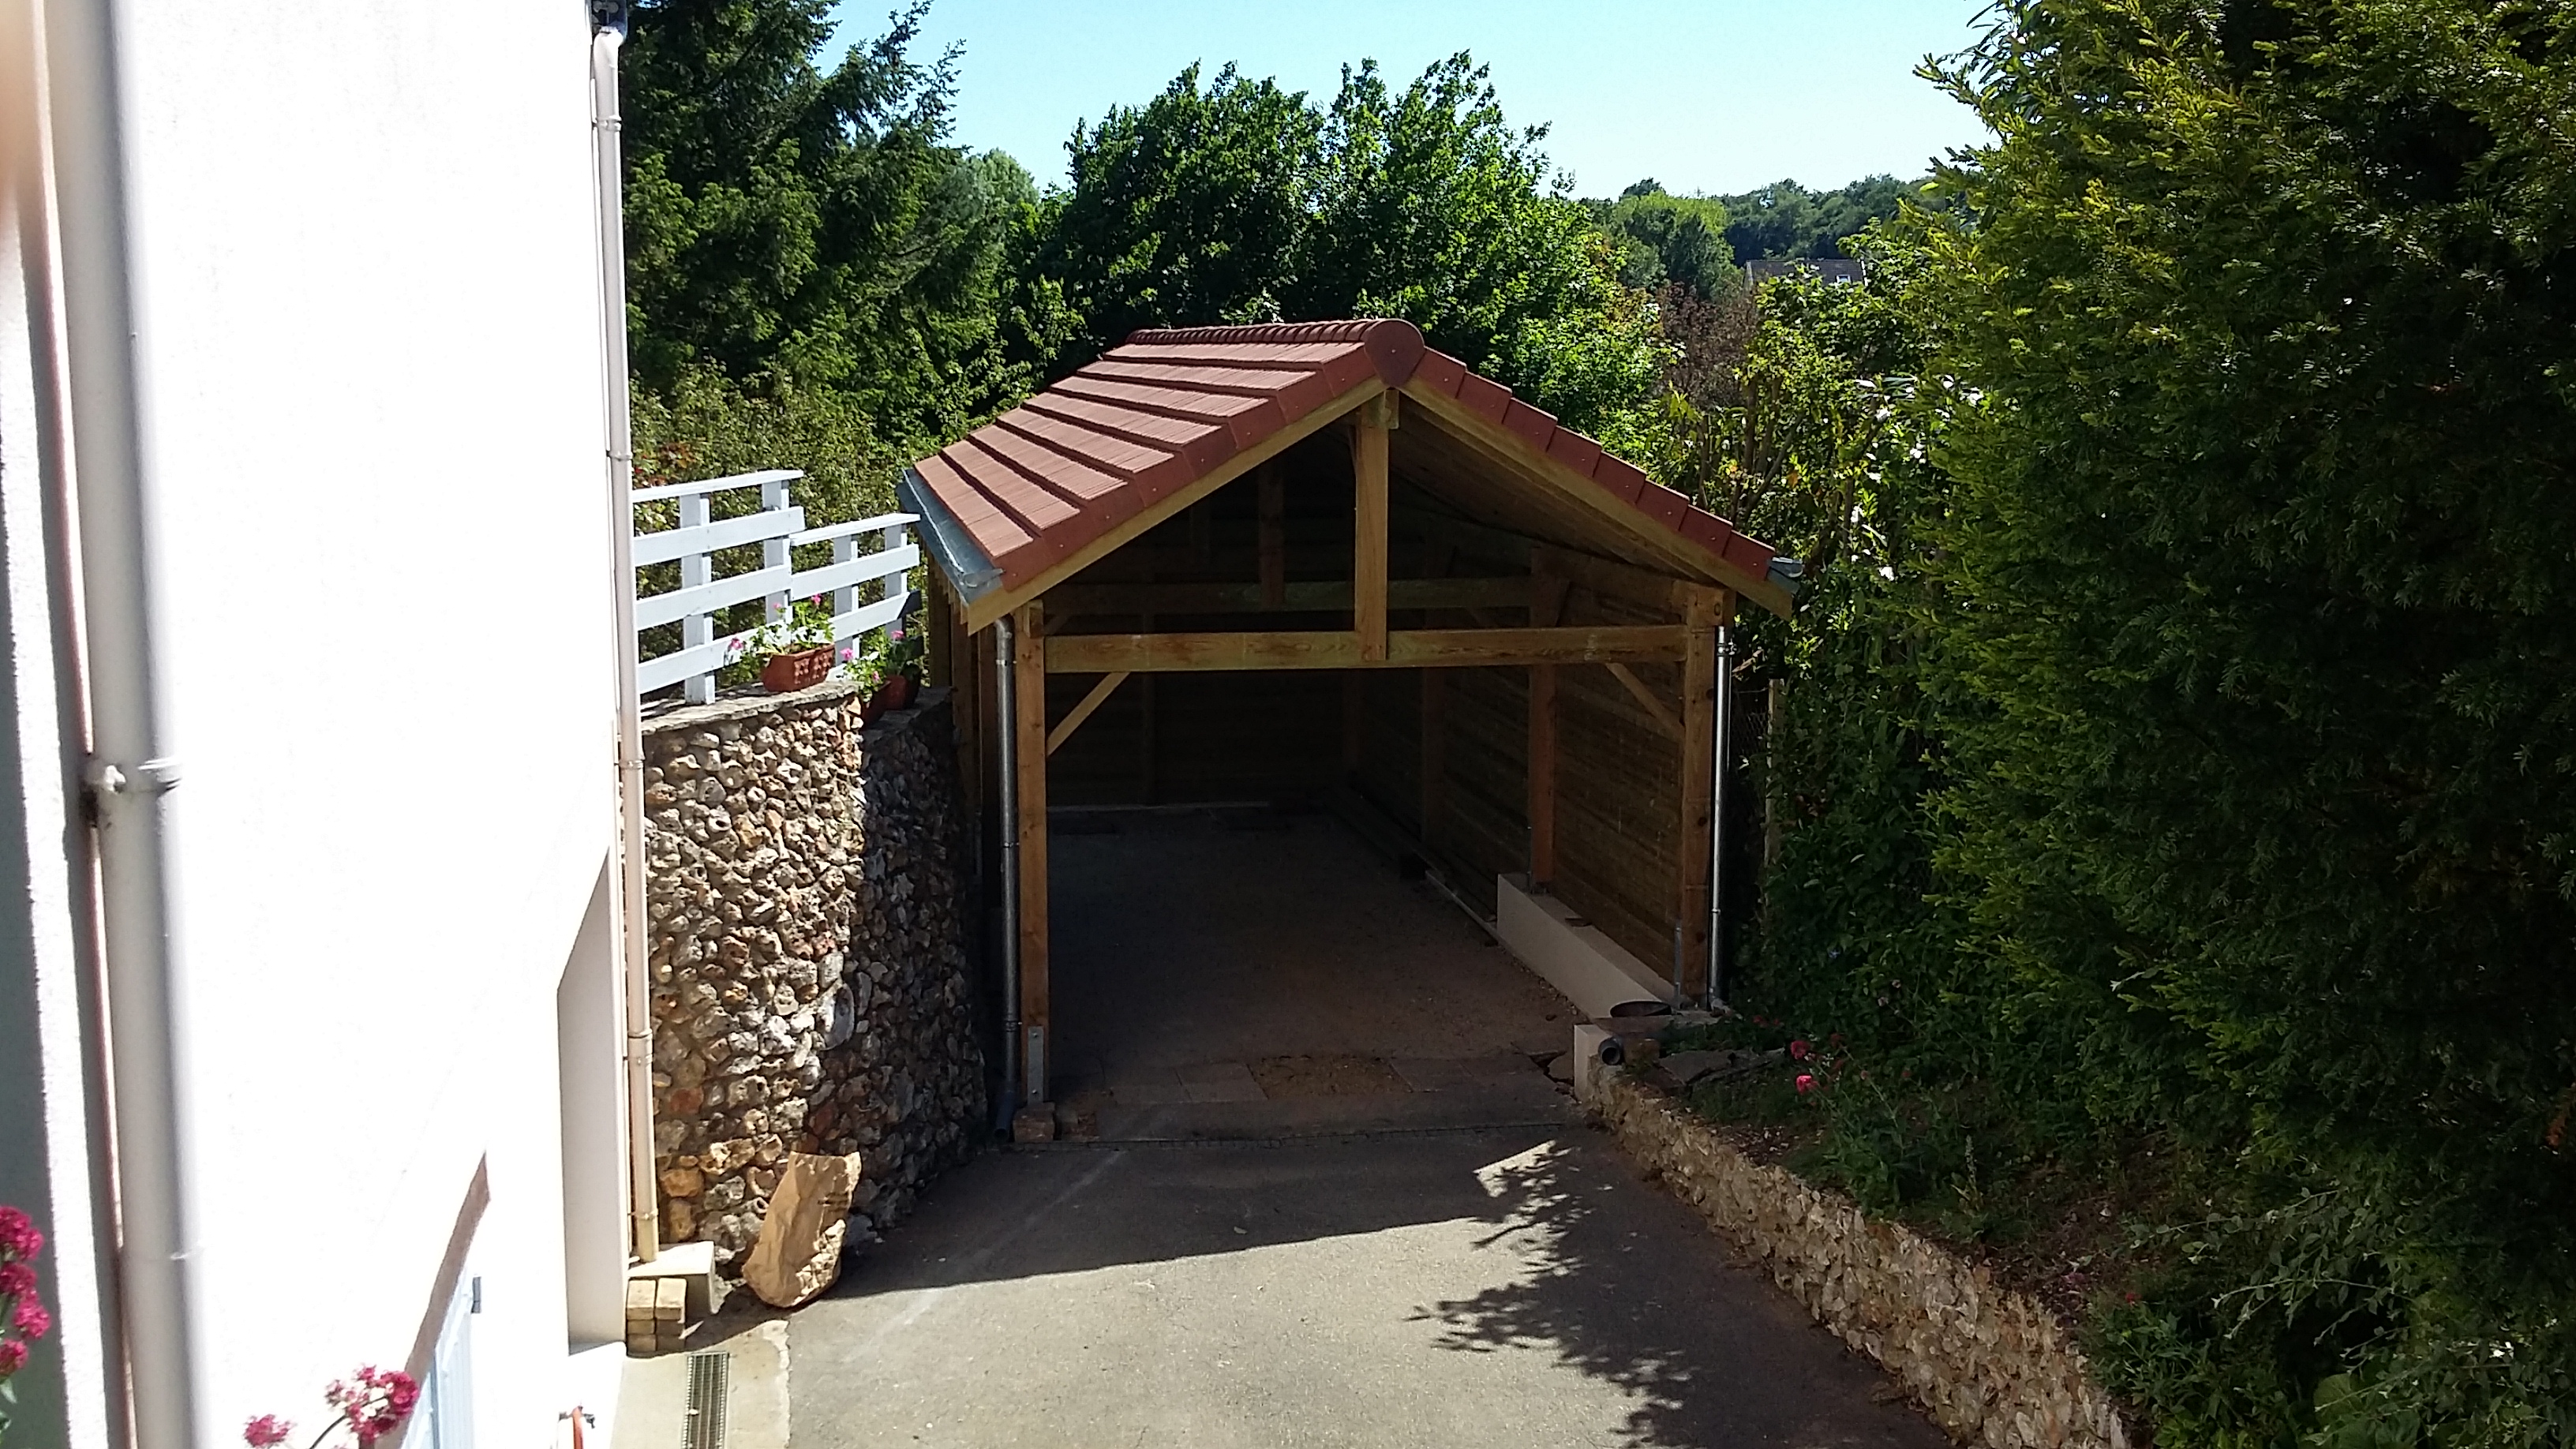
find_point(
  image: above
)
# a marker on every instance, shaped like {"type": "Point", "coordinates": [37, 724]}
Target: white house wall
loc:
{"type": "Point", "coordinates": [366, 282]}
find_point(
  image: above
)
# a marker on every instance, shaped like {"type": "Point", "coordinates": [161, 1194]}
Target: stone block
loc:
{"type": "Point", "coordinates": [798, 1253]}
{"type": "Point", "coordinates": [1034, 1123]}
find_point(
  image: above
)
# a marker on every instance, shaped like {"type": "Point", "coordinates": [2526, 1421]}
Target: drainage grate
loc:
{"type": "Point", "coordinates": [710, 1374]}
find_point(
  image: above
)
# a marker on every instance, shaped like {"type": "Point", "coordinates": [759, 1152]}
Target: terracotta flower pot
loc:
{"type": "Point", "coordinates": [787, 673]}
{"type": "Point", "coordinates": [894, 693]}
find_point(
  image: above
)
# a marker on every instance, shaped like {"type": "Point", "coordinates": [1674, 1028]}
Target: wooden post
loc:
{"type": "Point", "coordinates": [1274, 536]}
{"type": "Point", "coordinates": [1698, 777]}
{"type": "Point", "coordinates": [1368, 552]}
{"type": "Point", "coordinates": [1547, 605]}
{"type": "Point", "coordinates": [1030, 745]}
{"type": "Point", "coordinates": [1148, 748]}
{"type": "Point", "coordinates": [941, 621]}
{"type": "Point", "coordinates": [1354, 724]}
{"type": "Point", "coordinates": [1435, 759]}
{"type": "Point", "coordinates": [967, 705]}
{"type": "Point", "coordinates": [1202, 527]}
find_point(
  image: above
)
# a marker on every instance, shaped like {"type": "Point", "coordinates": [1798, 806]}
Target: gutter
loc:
{"type": "Point", "coordinates": [969, 572]}
{"type": "Point", "coordinates": [608, 162]}
{"type": "Point", "coordinates": [130, 772]}
{"type": "Point", "coordinates": [1006, 709]}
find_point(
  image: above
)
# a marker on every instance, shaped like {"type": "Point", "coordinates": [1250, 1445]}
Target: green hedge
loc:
{"type": "Point", "coordinates": [2189, 766]}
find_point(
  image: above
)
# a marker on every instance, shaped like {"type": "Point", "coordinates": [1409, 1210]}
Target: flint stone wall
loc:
{"type": "Point", "coordinates": [1991, 1364]}
{"type": "Point", "coordinates": [805, 893]}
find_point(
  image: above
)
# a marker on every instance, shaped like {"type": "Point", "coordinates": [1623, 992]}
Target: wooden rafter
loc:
{"type": "Point", "coordinates": [1304, 596]}
{"type": "Point", "coordinates": [1030, 745]}
{"type": "Point", "coordinates": [1698, 777]}
{"type": "Point", "coordinates": [1272, 540]}
{"type": "Point", "coordinates": [1547, 606]}
{"type": "Point", "coordinates": [1334, 649]}
{"type": "Point", "coordinates": [1498, 444]}
{"type": "Point", "coordinates": [1072, 721]}
{"type": "Point", "coordinates": [1369, 531]}
{"type": "Point", "coordinates": [1661, 712]}
{"type": "Point", "coordinates": [1000, 602]}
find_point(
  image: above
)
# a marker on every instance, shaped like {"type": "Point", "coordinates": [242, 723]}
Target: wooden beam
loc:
{"type": "Point", "coordinates": [1698, 779]}
{"type": "Point", "coordinates": [1002, 601]}
{"type": "Point", "coordinates": [1435, 762]}
{"type": "Point", "coordinates": [1547, 604]}
{"type": "Point", "coordinates": [973, 665]}
{"type": "Point", "coordinates": [1332, 649]}
{"type": "Point", "coordinates": [1306, 596]}
{"type": "Point", "coordinates": [1663, 715]}
{"type": "Point", "coordinates": [1369, 546]}
{"type": "Point", "coordinates": [1642, 587]}
{"type": "Point", "coordinates": [1354, 724]}
{"type": "Point", "coordinates": [1202, 531]}
{"type": "Point", "coordinates": [1542, 774]}
{"type": "Point", "coordinates": [1273, 536]}
{"type": "Point", "coordinates": [940, 619]}
{"type": "Point", "coordinates": [1072, 721]}
{"type": "Point", "coordinates": [1029, 684]}
{"type": "Point", "coordinates": [1460, 421]}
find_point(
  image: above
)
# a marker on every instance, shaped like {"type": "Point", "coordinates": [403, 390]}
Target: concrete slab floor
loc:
{"type": "Point", "coordinates": [1184, 949]}
{"type": "Point", "coordinates": [1429, 1249]}
{"type": "Point", "coordinates": [1482, 1288]}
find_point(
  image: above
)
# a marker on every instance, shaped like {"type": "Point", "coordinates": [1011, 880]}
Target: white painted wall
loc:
{"type": "Point", "coordinates": [367, 298]}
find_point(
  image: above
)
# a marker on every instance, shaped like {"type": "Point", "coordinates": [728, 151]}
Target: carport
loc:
{"type": "Point", "coordinates": [1323, 561]}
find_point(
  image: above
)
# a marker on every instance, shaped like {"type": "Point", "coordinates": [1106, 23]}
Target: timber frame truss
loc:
{"type": "Point", "coordinates": [1686, 616]}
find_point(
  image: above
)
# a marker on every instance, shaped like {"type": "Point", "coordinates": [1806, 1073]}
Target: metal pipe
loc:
{"type": "Point", "coordinates": [607, 163]}
{"type": "Point", "coordinates": [1006, 702]}
{"type": "Point", "coordinates": [1723, 744]}
{"type": "Point", "coordinates": [129, 773]}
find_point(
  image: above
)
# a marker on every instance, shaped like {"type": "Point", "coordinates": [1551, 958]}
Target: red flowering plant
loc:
{"type": "Point", "coordinates": [370, 1404]}
{"type": "Point", "coordinates": [23, 1318]}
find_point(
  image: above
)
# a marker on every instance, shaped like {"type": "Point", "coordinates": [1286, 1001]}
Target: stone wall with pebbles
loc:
{"type": "Point", "coordinates": [1992, 1365]}
{"type": "Point", "coordinates": [806, 892]}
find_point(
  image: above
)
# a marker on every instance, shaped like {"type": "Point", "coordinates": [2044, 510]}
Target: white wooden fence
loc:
{"type": "Point", "coordinates": [777, 527]}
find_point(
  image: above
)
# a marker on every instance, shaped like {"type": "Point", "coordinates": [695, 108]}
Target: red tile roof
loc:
{"type": "Point", "coordinates": [1170, 406]}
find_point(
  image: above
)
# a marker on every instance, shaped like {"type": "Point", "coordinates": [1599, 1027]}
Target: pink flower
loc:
{"type": "Point", "coordinates": [1800, 1049]}
{"type": "Point", "coordinates": [12, 1354]}
{"type": "Point", "coordinates": [266, 1430]}
{"type": "Point", "coordinates": [32, 1319]}
{"type": "Point", "coordinates": [17, 1280]}
{"type": "Point", "coordinates": [1806, 1084]}
{"type": "Point", "coordinates": [18, 1237]}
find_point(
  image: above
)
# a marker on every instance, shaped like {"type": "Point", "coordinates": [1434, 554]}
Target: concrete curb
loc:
{"type": "Point", "coordinates": [1990, 1364]}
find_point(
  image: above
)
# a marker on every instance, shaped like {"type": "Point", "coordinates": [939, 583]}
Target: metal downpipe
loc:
{"type": "Point", "coordinates": [1723, 744]}
{"type": "Point", "coordinates": [608, 162]}
{"type": "Point", "coordinates": [1006, 701]}
{"type": "Point", "coordinates": [130, 773]}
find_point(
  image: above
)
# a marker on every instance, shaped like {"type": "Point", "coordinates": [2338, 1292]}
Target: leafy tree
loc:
{"type": "Point", "coordinates": [1680, 240]}
{"type": "Point", "coordinates": [1187, 209]}
{"type": "Point", "coordinates": [2261, 628]}
{"type": "Point", "coordinates": [1240, 202]}
{"type": "Point", "coordinates": [786, 219]}
{"type": "Point", "coordinates": [1785, 219]}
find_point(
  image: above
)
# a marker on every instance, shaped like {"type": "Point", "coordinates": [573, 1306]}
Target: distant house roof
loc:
{"type": "Point", "coordinates": [1015, 502]}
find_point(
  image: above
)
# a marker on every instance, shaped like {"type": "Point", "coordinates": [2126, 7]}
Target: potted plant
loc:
{"type": "Point", "coordinates": [789, 653]}
{"type": "Point", "coordinates": [890, 674]}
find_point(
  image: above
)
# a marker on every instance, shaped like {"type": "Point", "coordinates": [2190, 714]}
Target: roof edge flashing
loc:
{"type": "Point", "coordinates": [954, 550]}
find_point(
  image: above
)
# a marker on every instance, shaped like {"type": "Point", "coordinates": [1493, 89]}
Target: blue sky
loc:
{"type": "Point", "coordinates": [1702, 95]}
